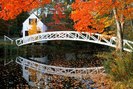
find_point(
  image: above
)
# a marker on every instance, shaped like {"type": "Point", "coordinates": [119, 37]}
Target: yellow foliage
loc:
{"type": "Point", "coordinates": [34, 29]}
{"type": "Point", "coordinates": [108, 23]}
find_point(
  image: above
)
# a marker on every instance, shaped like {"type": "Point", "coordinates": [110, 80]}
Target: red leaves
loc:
{"type": "Point", "coordinates": [84, 16]}
{"type": "Point", "coordinates": [58, 13]}
{"type": "Point", "coordinates": [59, 18]}
{"type": "Point", "coordinates": [88, 15]}
{"type": "Point", "coordinates": [12, 8]}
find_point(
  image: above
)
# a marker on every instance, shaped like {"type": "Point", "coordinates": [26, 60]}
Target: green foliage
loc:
{"type": "Point", "coordinates": [120, 70]}
{"type": "Point", "coordinates": [124, 85]}
{"type": "Point", "coordinates": [128, 30]}
{"type": "Point", "coordinates": [12, 27]}
{"type": "Point", "coordinates": [16, 24]}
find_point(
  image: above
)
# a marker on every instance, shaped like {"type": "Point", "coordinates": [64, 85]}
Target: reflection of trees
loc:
{"type": "Point", "coordinates": [49, 81]}
{"type": "Point", "coordinates": [11, 76]}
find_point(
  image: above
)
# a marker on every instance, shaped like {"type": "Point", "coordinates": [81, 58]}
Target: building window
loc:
{"type": "Point", "coordinates": [32, 20]}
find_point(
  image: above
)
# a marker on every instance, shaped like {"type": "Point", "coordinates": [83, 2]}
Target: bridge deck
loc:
{"type": "Point", "coordinates": [76, 36]}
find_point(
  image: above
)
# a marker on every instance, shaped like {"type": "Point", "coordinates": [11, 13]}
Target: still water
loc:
{"type": "Point", "coordinates": [13, 75]}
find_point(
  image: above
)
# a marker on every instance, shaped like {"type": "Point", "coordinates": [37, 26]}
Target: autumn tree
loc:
{"type": "Point", "coordinates": [59, 16]}
{"type": "Point", "coordinates": [93, 16]}
{"type": "Point", "coordinates": [87, 18]}
{"type": "Point", "coordinates": [9, 9]}
{"type": "Point", "coordinates": [13, 27]}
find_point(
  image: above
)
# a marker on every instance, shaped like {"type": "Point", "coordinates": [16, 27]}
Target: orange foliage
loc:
{"type": "Point", "coordinates": [11, 8]}
{"type": "Point", "coordinates": [89, 15]}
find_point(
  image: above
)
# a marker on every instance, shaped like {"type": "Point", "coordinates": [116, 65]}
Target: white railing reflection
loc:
{"type": "Point", "coordinates": [70, 72]}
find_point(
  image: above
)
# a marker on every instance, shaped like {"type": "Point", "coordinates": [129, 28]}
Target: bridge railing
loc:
{"type": "Point", "coordinates": [6, 37]}
{"type": "Point", "coordinates": [76, 36]}
{"type": "Point", "coordinates": [65, 35]}
{"type": "Point", "coordinates": [71, 72]}
{"type": "Point", "coordinates": [7, 51]}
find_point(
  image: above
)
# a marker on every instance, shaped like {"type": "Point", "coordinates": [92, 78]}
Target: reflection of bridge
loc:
{"type": "Point", "coordinates": [76, 36]}
{"type": "Point", "coordinates": [70, 72]}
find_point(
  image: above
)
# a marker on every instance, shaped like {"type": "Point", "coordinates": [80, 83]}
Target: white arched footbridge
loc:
{"type": "Point", "coordinates": [76, 36]}
{"type": "Point", "coordinates": [69, 72]}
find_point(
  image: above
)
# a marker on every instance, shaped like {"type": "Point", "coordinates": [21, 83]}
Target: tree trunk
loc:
{"type": "Point", "coordinates": [131, 24]}
{"type": "Point", "coordinates": [119, 44]}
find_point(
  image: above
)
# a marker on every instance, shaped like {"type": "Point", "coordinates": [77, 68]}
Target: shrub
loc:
{"type": "Point", "coordinates": [120, 69]}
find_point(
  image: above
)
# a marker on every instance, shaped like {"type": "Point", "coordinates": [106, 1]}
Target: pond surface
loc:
{"type": "Point", "coordinates": [16, 76]}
